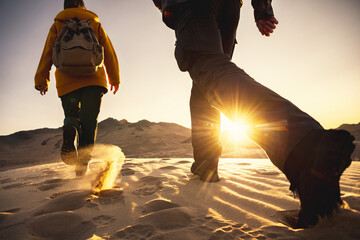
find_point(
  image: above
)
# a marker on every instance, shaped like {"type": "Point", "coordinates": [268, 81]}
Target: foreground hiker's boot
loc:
{"type": "Point", "coordinates": [314, 169]}
{"type": "Point", "coordinates": [68, 150]}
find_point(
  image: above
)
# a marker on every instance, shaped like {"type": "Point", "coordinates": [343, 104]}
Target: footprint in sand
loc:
{"type": "Point", "coordinates": [148, 185]}
{"type": "Point", "coordinates": [109, 196]}
{"type": "Point", "coordinates": [44, 173]}
{"type": "Point", "coordinates": [103, 220]}
{"type": "Point", "coordinates": [127, 171]}
{"type": "Point", "coordinates": [147, 191]}
{"type": "Point", "coordinates": [66, 202]}
{"type": "Point", "coordinates": [61, 225]}
{"type": "Point", "coordinates": [51, 184]}
{"type": "Point", "coordinates": [150, 180]}
{"type": "Point", "coordinates": [164, 220]}
{"type": "Point", "coordinates": [155, 210]}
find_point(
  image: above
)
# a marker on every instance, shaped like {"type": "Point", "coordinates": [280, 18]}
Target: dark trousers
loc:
{"type": "Point", "coordinates": [205, 119]}
{"type": "Point", "coordinates": [81, 109]}
{"type": "Point", "coordinates": [205, 33]}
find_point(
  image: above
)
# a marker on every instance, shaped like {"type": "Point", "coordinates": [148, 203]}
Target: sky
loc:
{"type": "Point", "coordinates": [312, 59]}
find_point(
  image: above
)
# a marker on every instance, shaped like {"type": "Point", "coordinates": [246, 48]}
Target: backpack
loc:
{"type": "Point", "coordinates": [77, 51]}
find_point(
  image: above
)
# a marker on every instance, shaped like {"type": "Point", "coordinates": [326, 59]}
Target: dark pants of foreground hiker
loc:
{"type": "Point", "coordinates": [205, 32]}
{"type": "Point", "coordinates": [81, 109]}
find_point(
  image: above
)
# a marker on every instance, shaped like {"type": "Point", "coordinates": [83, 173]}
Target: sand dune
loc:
{"type": "Point", "coordinates": [142, 139]}
{"type": "Point", "coordinates": [159, 199]}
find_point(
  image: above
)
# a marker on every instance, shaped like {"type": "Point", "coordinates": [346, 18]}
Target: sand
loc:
{"type": "Point", "coordinates": [159, 199]}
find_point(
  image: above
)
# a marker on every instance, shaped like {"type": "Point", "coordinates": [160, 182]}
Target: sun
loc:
{"type": "Point", "coordinates": [236, 129]}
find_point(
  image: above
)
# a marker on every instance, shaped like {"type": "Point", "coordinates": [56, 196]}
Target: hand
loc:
{"type": "Point", "coordinates": [43, 92]}
{"type": "Point", "coordinates": [43, 89]}
{"type": "Point", "coordinates": [267, 25]}
{"type": "Point", "coordinates": [115, 87]}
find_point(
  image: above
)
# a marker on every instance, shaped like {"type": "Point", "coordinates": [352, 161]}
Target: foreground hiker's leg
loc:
{"type": "Point", "coordinates": [276, 124]}
{"type": "Point", "coordinates": [205, 134]}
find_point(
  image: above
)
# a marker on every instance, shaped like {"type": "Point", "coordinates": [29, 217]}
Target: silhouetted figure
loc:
{"type": "Point", "coordinates": [312, 158]}
{"type": "Point", "coordinates": [80, 94]}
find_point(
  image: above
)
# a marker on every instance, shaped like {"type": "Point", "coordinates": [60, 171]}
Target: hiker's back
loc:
{"type": "Point", "coordinates": [66, 82]}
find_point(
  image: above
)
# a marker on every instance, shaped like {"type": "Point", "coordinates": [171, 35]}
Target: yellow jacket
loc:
{"type": "Point", "coordinates": [65, 83]}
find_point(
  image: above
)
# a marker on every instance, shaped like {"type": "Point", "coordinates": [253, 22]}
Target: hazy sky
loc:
{"type": "Point", "coordinates": [313, 59]}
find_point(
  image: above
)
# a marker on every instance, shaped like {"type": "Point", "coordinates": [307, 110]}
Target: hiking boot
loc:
{"type": "Point", "coordinates": [206, 172]}
{"type": "Point", "coordinates": [314, 169]}
{"type": "Point", "coordinates": [68, 150]}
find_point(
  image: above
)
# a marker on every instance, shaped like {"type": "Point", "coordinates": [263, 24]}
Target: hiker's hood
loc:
{"type": "Point", "coordinates": [80, 13]}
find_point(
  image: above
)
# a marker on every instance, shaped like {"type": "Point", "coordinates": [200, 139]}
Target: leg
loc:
{"type": "Point", "coordinates": [205, 118]}
{"type": "Point", "coordinates": [205, 133]}
{"type": "Point", "coordinates": [90, 101]}
{"type": "Point", "coordinates": [277, 124]}
{"type": "Point", "coordinates": [70, 104]}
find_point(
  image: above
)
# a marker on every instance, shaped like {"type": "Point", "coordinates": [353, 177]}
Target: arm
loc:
{"type": "Point", "coordinates": [110, 60]}
{"type": "Point", "coordinates": [42, 76]}
{"type": "Point", "coordinates": [264, 16]}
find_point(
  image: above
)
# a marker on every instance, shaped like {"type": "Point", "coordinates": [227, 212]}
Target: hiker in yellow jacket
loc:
{"type": "Point", "coordinates": [80, 95]}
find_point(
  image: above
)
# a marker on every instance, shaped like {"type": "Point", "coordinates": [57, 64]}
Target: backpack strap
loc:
{"type": "Point", "coordinates": [84, 25]}
{"type": "Point", "coordinates": [61, 34]}
{"type": "Point", "coordinates": [93, 35]}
